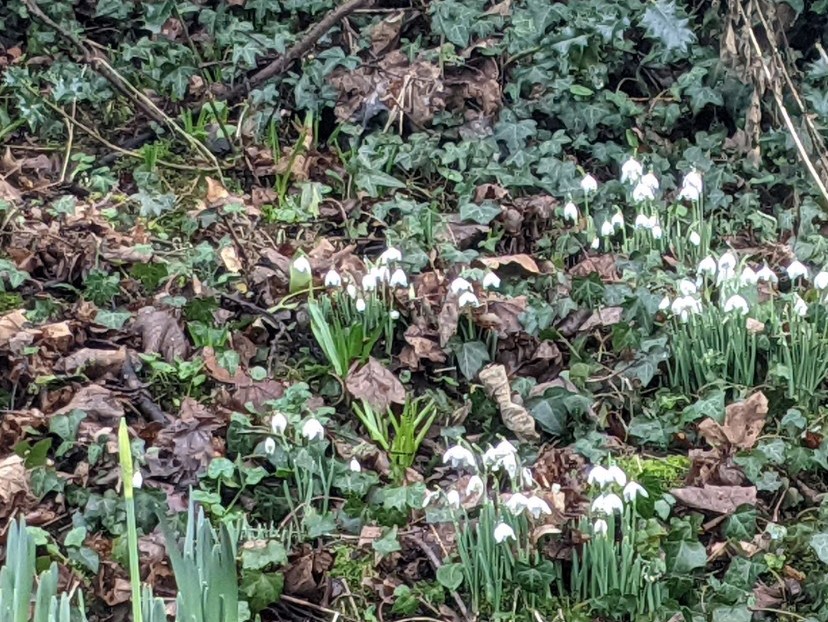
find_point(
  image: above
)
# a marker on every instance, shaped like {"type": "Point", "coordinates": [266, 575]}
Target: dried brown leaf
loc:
{"type": "Point", "coordinates": [423, 345]}
{"type": "Point", "coordinates": [604, 265]}
{"type": "Point", "coordinates": [522, 262]}
{"type": "Point", "coordinates": [14, 482]}
{"type": "Point", "coordinates": [447, 319]}
{"type": "Point", "coordinates": [515, 417]}
{"type": "Point", "coordinates": [742, 426]}
{"type": "Point", "coordinates": [92, 362]}
{"type": "Point", "coordinates": [10, 325]}
{"type": "Point", "coordinates": [718, 499]}
{"type": "Point", "coordinates": [376, 385]}
{"type": "Point", "coordinates": [161, 334]}
{"type": "Point", "coordinates": [230, 259]}
{"type": "Point", "coordinates": [602, 318]}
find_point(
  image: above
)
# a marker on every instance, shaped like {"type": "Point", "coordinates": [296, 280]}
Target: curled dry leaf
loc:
{"type": "Point", "coordinates": [161, 334]}
{"type": "Point", "coordinates": [447, 319]}
{"type": "Point", "coordinates": [718, 499]}
{"type": "Point", "coordinates": [602, 318]}
{"type": "Point", "coordinates": [515, 416]}
{"type": "Point", "coordinates": [376, 385]}
{"type": "Point", "coordinates": [424, 346]}
{"type": "Point", "coordinates": [10, 325]}
{"type": "Point", "coordinates": [57, 335]}
{"type": "Point", "coordinates": [742, 425]}
{"type": "Point", "coordinates": [604, 265]}
{"type": "Point", "coordinates": [14, 483]}
{"type": "Point", "coordinates": [230, 259]}
{"type": "Point", "coordinates": [520, 263]}
{"type": "Point", "coordinates": [92, 362]}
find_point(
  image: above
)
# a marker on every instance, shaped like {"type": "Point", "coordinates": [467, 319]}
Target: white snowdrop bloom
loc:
{"type": "Point", "coordinates": [382, 274]}
{"type": "Point", "coordinates": [599, 476]}
{"type": "Point", "coordinates": [390, 254]}
{"type": "Point", "coordinates": [453, 499]}
{"type": "Point", "coordinates": [695, 238]}
{"type": "Point", "coordinates": [650, 181]}
{"type": "Point", "coordinates": [589, 183]}
{"type": "Point", "coordinates": [526, 479]}
{"type": "Point", "coordinates": [537, 507]}
{"type": "Point", "coordinates": [459, 457]}
{"type": "Point", "coordinates": [467, 299]}
{"type": "Point", "coordinates": [398, 279]}
{"type": "Point", "coordinates": [332, 278]}
{"type": "Point", "coordinates": [607, 229]}
{"type": "Point", "coordinates": [517, 503]}
{"type": "Point", "coordinates": [767, 275]}
{"type": "Point", "coordinates": [657, 232]}
{"type": "Point", "coordinates": [643, 192]}
{"type": "Point", "coordinates": [430, 495]}
{"type": "Point", "coordinates": [736, 303]}
{"type": "Point", "coordinates": [685, 306]}
{"type": "Point", "coordinates": [617, 220]}
{"type": "Point", "coordinates": [607, 504]}
{"type": "Point", "coordinates": [600, 527]}
{"type": "Point", "coordinates": [352, 290]}
{"type": "Point", "coordinates": [800, 307]}
{"type": "Point", "coordinates": [138, 479]}
{"type": "Point", "coordinates": [631, 171]}
{"type": "Point", "coordinates": [360, 305]}
{"type": "Point", "coordinates": [476, 486]}
{"type": "Point", "coordinates": [313, 430]}
{"type": "Point", "coordinates": [460, 285]}
{"type": "Point", "coordinates": [632, 490]}
{"type": "Point", "coordinates": [503, 448]}
{"type": "Point", "coordinates": [394, 314]}
{"type": "Point", "coordinates": [355, 466]}
{"type": "Point", "coordinates": [821, 280]}
{"type": "Point", "coordinates": [278, 423]}
{"type": "Point", "coordinates": [642, 221]}
{"type": "Point", "coordinates": [570, 212]}
{"type": "Point", "coordinates": [503, 532]}
{"type": "Point", "coordinates": [491, 281]}
{"type": "Point", "coordinates": [595, 244]}
{"type": "Point", "coordinates": [687, 287]}
{"type": "Point", "coordinates": [707, 266]}
{"type": "Point", "coordinates": [748, 276]}
{"type": "Point", "coordinates": [796, 270]}
{"type": "Point", "coordinates": [727, 262]}
{"type": "Point", "coordinates": [664, 304]}
{"type": "Point", "coordinates": [369, 282]}
{"type": "Point", "coordinates": [302, 265]}
{"type": "Point", "coordinates": [691, 186]}
{"type": "Point", "coordinates": [269, 446]}
{"type": "Point", "coordinates": [617, 474]}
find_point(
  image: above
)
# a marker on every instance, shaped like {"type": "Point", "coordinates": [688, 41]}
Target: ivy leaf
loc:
{"type": "Point", "coordinates": [480, 214]}
{"type": "Point", "coordinates": [450, 576]}
{"type": "Point", "coordinates": [388, 543]}
{"type": "Point", "coordinates": [819, 543]}
{"type": "Point", "coordinates": [258, 554]}
{"type": "Point", "coordinates": [262, 589]}
{"type": "Point", "coordinates": [661, 23]}
{"type": "Point", "coordinates": [471, 356]}
{"type": "Point", "coordinates": [684, 556]}
{"type": "Point", "coordinates": [742, 525]}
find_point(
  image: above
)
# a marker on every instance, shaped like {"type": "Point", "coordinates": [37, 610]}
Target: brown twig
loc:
{"type": "Point", "coordinates": [436, 564]}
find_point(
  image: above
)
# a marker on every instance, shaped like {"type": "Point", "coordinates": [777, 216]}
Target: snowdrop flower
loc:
{"type": "Point", "coordinates": [517, 503]}
{"type": "Point", "coordinates": [503, 532]}
{"type": "Point", "coordinates": [302, 265]}
{"type": "Point", "coordinates": [642, 193]}
{"type": "Point", "coordinates": [278, 423]}
{"type": "Point", "coordinates": [269, 446]}
{"type": "Point", "coordinates": [800, 307]}
{"type": "Point", "coordinates": [821, 280]}
{"type": "Point", "coordinates": [685, 306]}
{"type": "Point", "coordinates": [537, 506]}
{"type": "Point", "coordinates": [599, 476]}
{"type": "Point", "coordinates": [664, 304]}
{"type": "Point", "coordinates": [657, 232]}
{"type": "Point", "coordinates": [768, 275]}
{"type": "Point", "coordinates": [691, 186]}
{"type": "Point", "coordinates": [394, 314]}
{"type": "Point", "coordinates": [595, 244]}
{"type": "Point", "coordinates": [313, 430]}
{"type": "Point", "coordinates": [491, 281]}
{"type": "Point", "coordinates": [369, 281]}
{"type": "Point", "coordinates": [736, 303]}
{"type": "Point", "coordinates": [459, 457]}
{"type": "Point", "coordinates": [642, 221]}
{"type": "Point", "coordinates": [398, 279]}
{"type": "Point", "coordinates": [138, 479]}
{"type": "Point", "coordinates": [332, 278]}
{"type": "Point", "coordinates": [632, 490]}
{"type": "Point", "coordinates": [476, 486]}
{"type": "Point", "coordinates": [460, 285]}
{"type": "Point", "coordinates": [467, 299]}
{"type": "Point", "coordinates": [526, 478]}
{"type": "Point", "coordinates": [617, 220]}
{"type": "Point", "coordinates": [687, 287]}
{"type": "Point", "coordinates": [607, 504]}
{"type": "Point", "coordinates": [453, 499]}
{"type": "Point", "coordinates": [650, 181]}
{"type": "Point", "coordinates": [607, 229]}
{"type": "Point", "coordinates": [748, 276]}
{"type": "Point", "coordinates": [429, 496]}
{"type": "Point", "coordinates": [502, 456]}
{"type": "Point", "coordinates": [390, 254]}
{"type": "Point", "coordinates": [707, 266]}
{"type": "Point", "coordinates": [727, 267]}
{"type": "Point", "coordinates": [360, 305]}
{"type": "Point", "coordinates": [797, 270]}
{"type": "Point", "coordinates": [695, 238]}
{"type": "Point", "coordinates": [570, 212]}
{"type": "Point", "coordinates": [631, 171]}
{"type": "Point", "coordinates": [355, 466]}
{"type": "Point", "coordinates": [600, 527]}
{"type": "Point", "coordinates": [589, 184]}
{"type": "Point", "coordinates": [382, 274]}
{"type": "Point", "coordinates": [617, 475]}
{"type": "Point", "coordinates": [352, 290]}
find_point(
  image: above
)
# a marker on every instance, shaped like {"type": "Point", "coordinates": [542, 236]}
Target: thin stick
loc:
{"type": "Point", "coordinates": [70, 137]}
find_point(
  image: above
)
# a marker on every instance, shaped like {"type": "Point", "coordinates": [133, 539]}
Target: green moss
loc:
{"type": "Point", "coordinates": [351, 565]}
{"type": "Point", "coordinates": [668, 471]}
{"type": "Point", "coordinates": [10, 301]}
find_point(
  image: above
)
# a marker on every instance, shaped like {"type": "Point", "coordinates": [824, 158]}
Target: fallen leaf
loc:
{"type": "Point", "coordinates": [9, 193]}
{"type": "Point", "coordinates": [742, 425]}
{"type": "Point", "coordinates": [507, 313]}
{"type": "Point", "coordinates": [515, 417]}
{"type": "Point", "coordinates": [602, 318]}
{"type": "Point", "coordinates": [424, 347]}
{"type": "Point", "coordinates": [376, 385]}
{"type": "Point", "coordinates": [447, 319]}
{"type": "Point", "coordinates": [230, 259]}
{"type": "Point", "coordinates": [161, 334]}
{"type": "Point", "coordinates": [14, 482]}
{"type": "Point", "coordinates": [719, 499]}
{"type": "Point", "coordinates": [100, 405]}
{"type": "Point", "coordinates": [216, 192]}
{"type": "Point", "coordinates": [604, 265]}
{"type": "Point", "coordinates": [10, 325]}
{"type": "Point", "coordinates": [93, 363]}
{"type": "Point", "coordinates": [58, 335]}
{"type": "Point", "coordinates": [384, 34]}
{"type": "Point", "coordinates": [523, 262]}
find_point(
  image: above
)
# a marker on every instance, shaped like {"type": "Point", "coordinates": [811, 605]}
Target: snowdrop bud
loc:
{"type": "Point", "coordinates": [736, 303]}
{"type": "Point", "coordinates": [460, 285]}
{"type": "Point", "coordinates": [355, 466]}
{"type": "Point", "coordinates": [632, 490]}
{"type": "Point", "coordinates": [570, 212]}
{"type": "Point", "coordinates": [360, 305]}
{"type": "Point", "coordinates": [748, 276]}
{"type": "Point", "coordinates": [821, 280]}
{"type": "Point", "coordinates": [642, 193]}
{"type": "Point", "coordinates": [278, 423]}
{"type": "Point", "coordinates": [453, 499]}
{"type": "Point", "coordinates": [589, 184]}
{"type": "Point", "coordinates": [768, 275]}
{"type": "Point", "coordinates": [687, 287]}
{"type": "Point", "coordinates": [707, 266]}
{"type": "Point", "coordinates": [800, 307]}
{"type": "Point", "coordinates": [389, 255]}
{"type": "Point", "coordinates": [459, 457]}
{"type": "Point", "coordinates": [526, 479]}
{"type": "Point", "coordinates": [617, 220]}
{"type": "Point", "coordinates": [302, 265]}
{"type": "Point", "coordinates": [695, 238]}
{"type": "Point", "coordinates": [137, 479]}
{"type": "Point", "coordinates": [491, 281]}
{"type": "Point", "coordinates": [631, 171]}
{"type": "Point", "coordinates": [352, 290]}
{"type": "Point", "coordinates": [369, 282]}
{"type": "Point", "coordinates": [796, 270]}
{"type": "Point", "coordinates": [467, 299]}
{"type": "Point", "coordinates": [313, 430]}
{"type": "Point", "coordinates": [398, 279]}
{"type": "Point", "coordinates": [269, 446]}
{"type": "Point", "coordinates": [600, 527]}
{"type": "Point", "coordinates": [332, 278]}
{"type": "Point", "coordinates": [503, 532]}
{"type": "Point", "coordinates": [607, 229]}
{"type": "Point", "coordinates": [394, 314]}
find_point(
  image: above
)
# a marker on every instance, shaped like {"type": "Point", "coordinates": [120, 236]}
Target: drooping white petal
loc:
{"type": "Point", "coordinates": [332, 278]}
{"type": "Point", "coordinates": [459, 457]}
{"type": "Point", "coordinates": [589, 184]}
{"type": "Point", "coordinates": [570, 212]}
{"type": "Point", "coordinates": [632, 490]}
{"type": "Point", "coordinates": [736, 304]}
{"type": "Point", "coordinates": [503, 532]}
{"type": "Point", "coordinates": [278, 423]}
{"type": "Point", "coordinates": [631, 171]}
{"type": "Point", "coordinates": [302, 265]}
{"type": "Point", "coordinates": [398, 279]}
{"type": "Point", "coordinates": [460, 285]}
{"type": "Point", "coordinates": [797, 270]}
{"type": "Point", "coordinates": [467, 299]}
{"type": "Point", "coordinates": [390, 254]}
{"type": "Point", "coordinates": [491, 281]}
{"type": "Point", "coordinates": [313, 430]}
{"type": "Point", "coordinates": [355, 466]}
